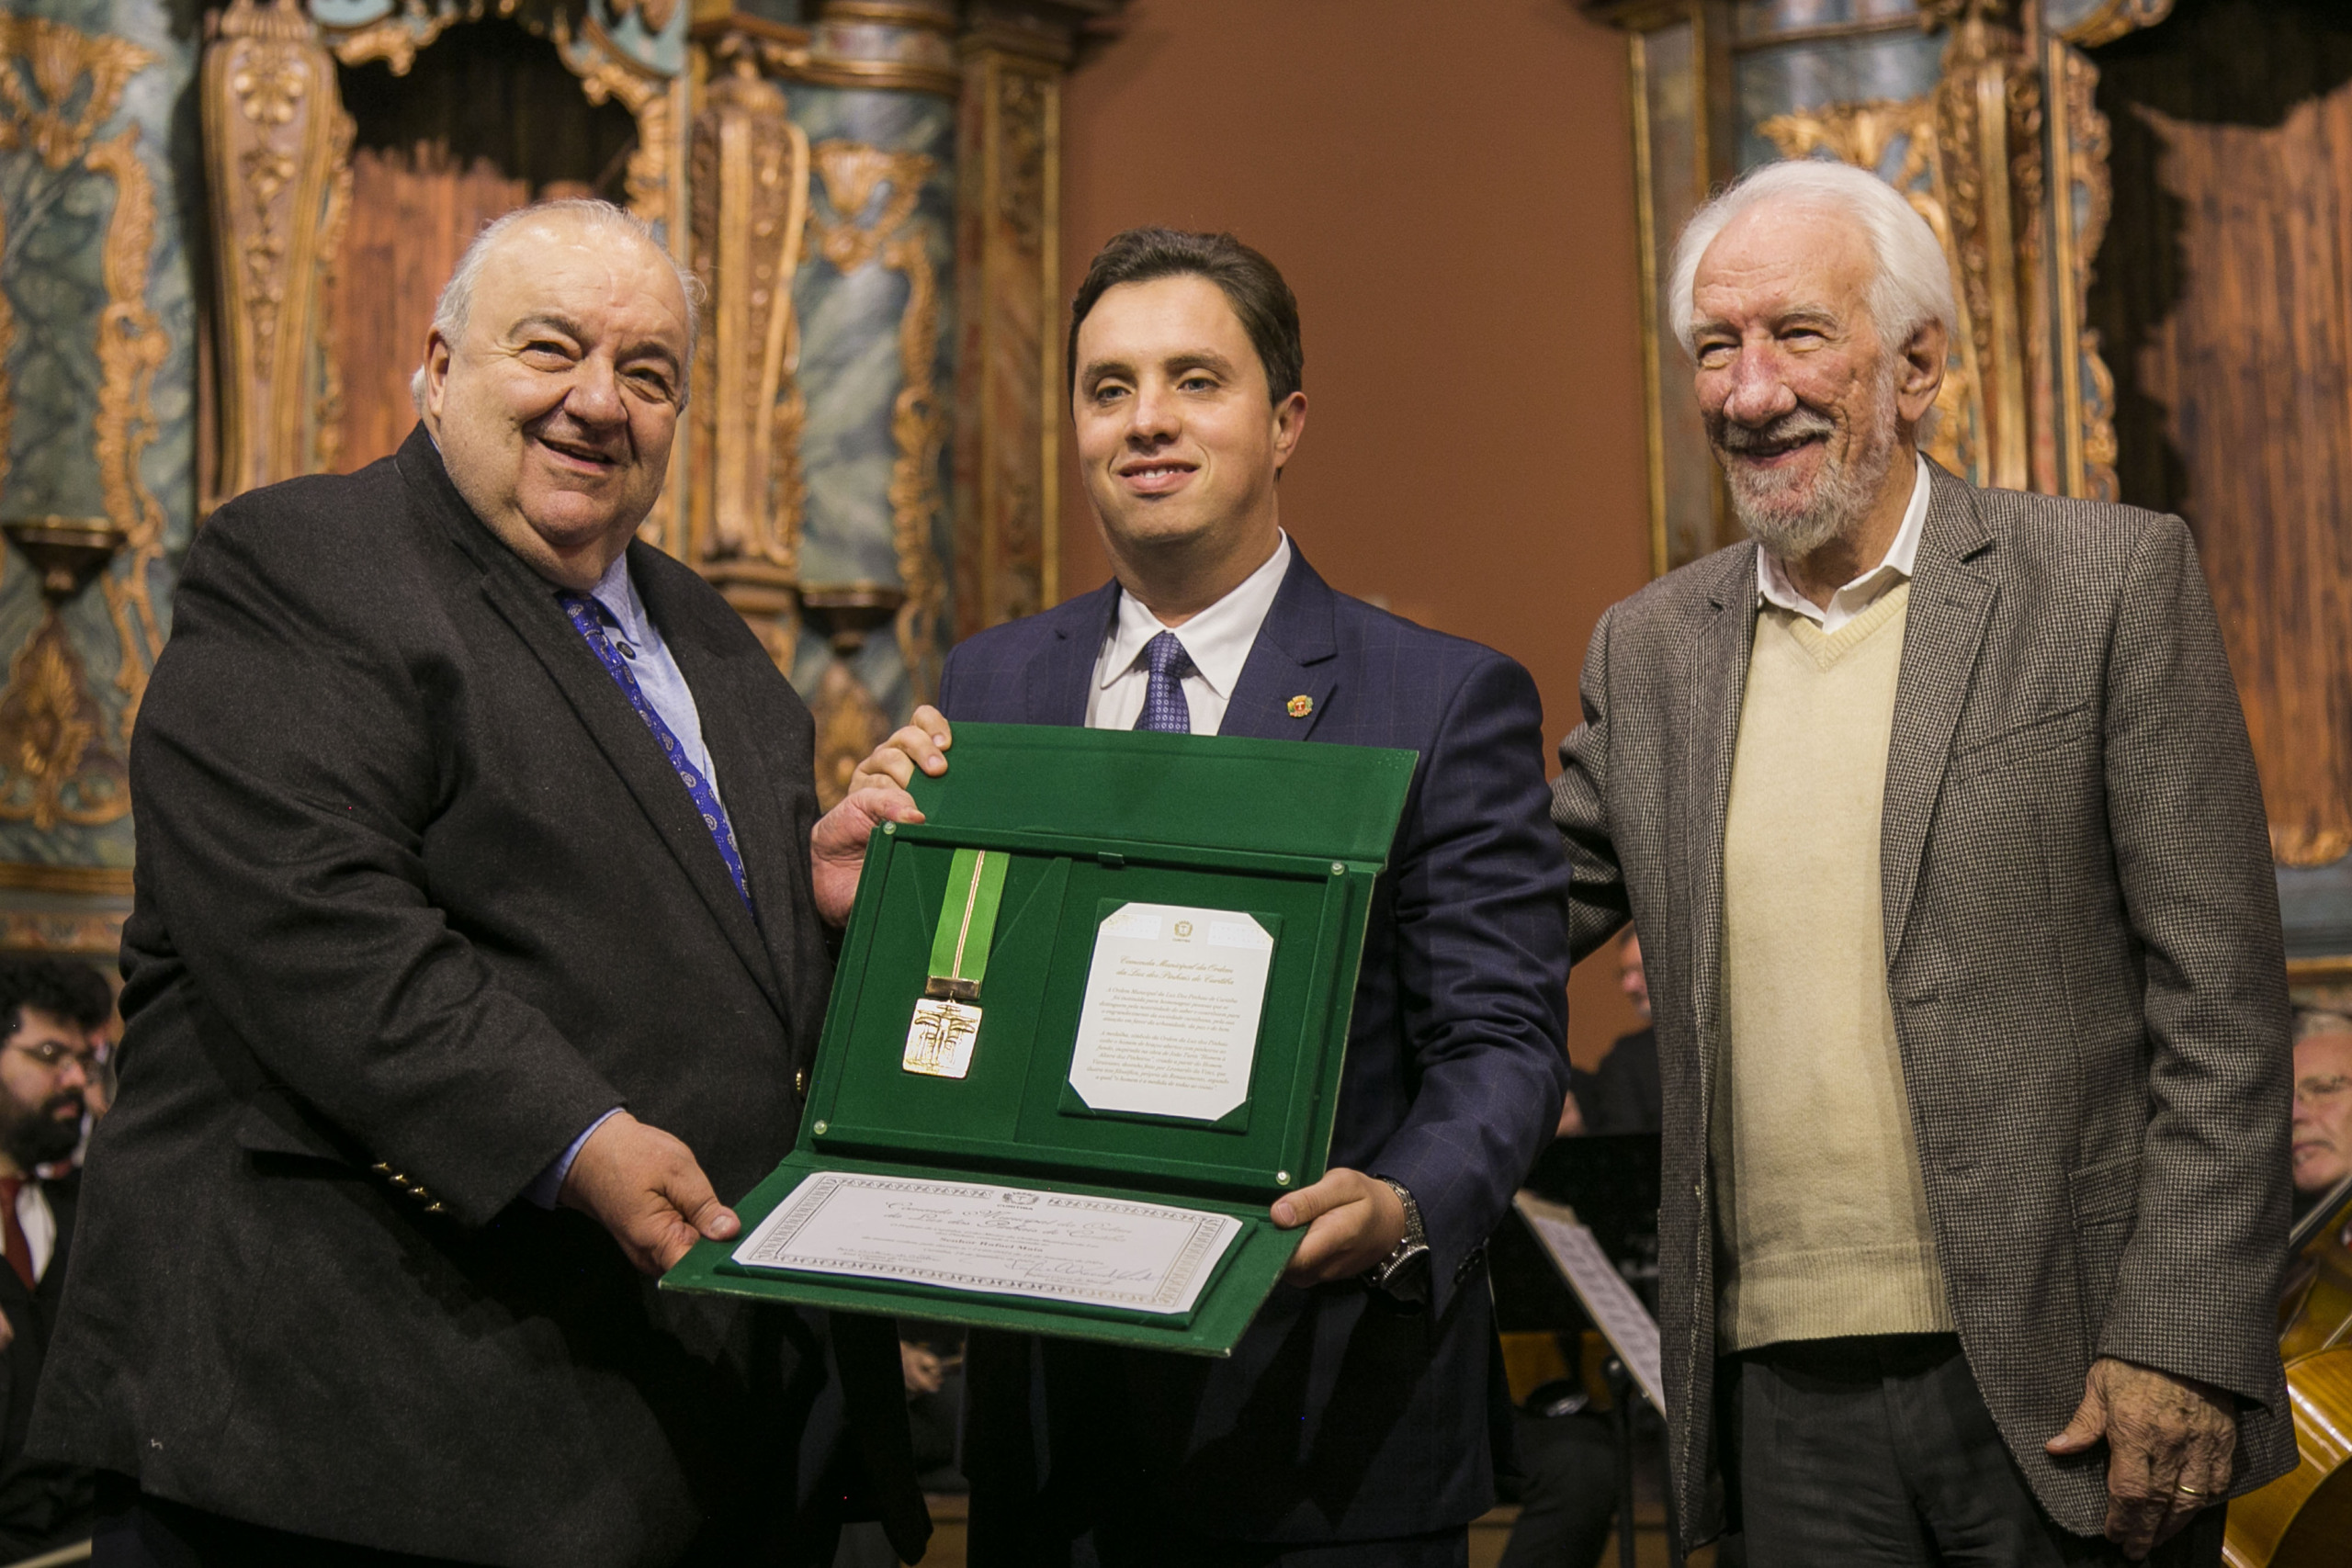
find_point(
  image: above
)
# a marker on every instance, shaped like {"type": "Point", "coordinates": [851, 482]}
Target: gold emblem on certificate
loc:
{"type": "Point", "coordinates": [946, 1024]}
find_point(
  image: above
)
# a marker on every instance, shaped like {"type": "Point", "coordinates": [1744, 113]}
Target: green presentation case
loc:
{"type": "Point", "coordinates": [1293, 833]}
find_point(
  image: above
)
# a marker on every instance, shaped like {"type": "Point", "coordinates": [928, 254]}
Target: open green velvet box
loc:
{"type": "Point", "coordinates": [1291, 833]}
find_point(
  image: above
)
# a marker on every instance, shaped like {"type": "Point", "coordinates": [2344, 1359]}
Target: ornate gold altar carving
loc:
{"type": "Point", "coordinates": [1864, 134]}
{"type": "Point", "coordinates": [918, 425]}
{"type": "Point", "coordinates": [605, 74]}
{"type": "Point", "coordinates": [131, 347]}
{"type": "Point", "coordinates": [1967, 156]}
{"type": "Point", "coordinates": [59, 58]}
{"type": "Point", "coordinates": [657, 12]}
{"type": "Point", "coordinates": [900, 45]}
{"type": "Point", "coordinates": [83, 880]}
{"type": "Point", "coordinates": [2078, 173]}
{"type": "Point", "coordinates": [853, 171]}
{"type": "Point", "coordinates": [272, 123]}
{"type": "Point", "coordinates": [56, 762]}
{"type": "Point", "coordinates": [2114, 18]}
{"type": "Point", "coordinates": [59, 760]}
{"type": "Point", "coordinates": [1008, 363]}
{"type": "Point", "coordinates": [850, 724]}
{"type": "Point", "coordinates": [51, 734]}
{"type": "Point", "coordinates": [98, 935]}
{"type": "Point", "coordinates": [751, 173]}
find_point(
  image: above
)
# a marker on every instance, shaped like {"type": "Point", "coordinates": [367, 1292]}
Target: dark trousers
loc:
{"type": "Point", "coordinates": [1159, 1547]}
{"type": "Point", "coordinates": [135, 1530]}
{"type": "Point", "coordinates": [1879, 1453]}
{"type": "Point", "coordinates": [1569, 1501]}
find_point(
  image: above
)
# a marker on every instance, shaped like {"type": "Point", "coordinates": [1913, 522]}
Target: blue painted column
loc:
{"type": "Point", "coordinates": [875, 299]}
{"type": "Point", "coordinates": [97, 380]}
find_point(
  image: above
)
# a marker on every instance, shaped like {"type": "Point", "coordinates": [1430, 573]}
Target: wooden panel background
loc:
{"type": "Point", "coordinates": [486, 120]}
{"type": "Point", "coordinates": [2224, 294]}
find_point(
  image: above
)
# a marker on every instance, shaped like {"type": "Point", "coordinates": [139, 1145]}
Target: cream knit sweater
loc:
{"type": "Point", "coordinates": [1822, 1216]}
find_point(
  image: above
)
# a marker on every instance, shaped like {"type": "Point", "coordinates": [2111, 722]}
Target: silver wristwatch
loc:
{"type": "Point", "coordinates": [1396, 1273]}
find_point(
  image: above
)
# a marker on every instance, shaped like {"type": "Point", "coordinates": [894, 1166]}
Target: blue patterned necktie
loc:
{"type": "Point", "coordinates": [1164, 708]}
{"type": "Point", "coordinates": [588, 618]}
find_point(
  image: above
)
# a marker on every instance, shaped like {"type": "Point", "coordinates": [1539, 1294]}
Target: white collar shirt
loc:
{"type": "Point", "coordinates": [1772, 584]}
{"type": "Point", "coordinates": [38, 1223]}
{"type": "Point", "coordinates": [1217, 640]}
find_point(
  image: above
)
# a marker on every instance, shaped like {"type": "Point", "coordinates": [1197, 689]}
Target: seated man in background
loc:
{"type": "Point", "coordinates": [45, 1064]}
{"type": "Point", "coordinates": [74, 990]}
{"type": "Point", "coordinates": [1621, 1094]}
{"type": "Point", "coordinates": [2323, 1130]}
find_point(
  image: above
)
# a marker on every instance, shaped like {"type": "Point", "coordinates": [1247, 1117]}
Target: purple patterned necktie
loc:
{"type": "Point", "coordinates": [588, 617]}
{"type": "Point", "coordinates": [1164, 708]}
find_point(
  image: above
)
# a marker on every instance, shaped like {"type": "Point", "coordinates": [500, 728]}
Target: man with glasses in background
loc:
{"type": "Point", "coordinates": [47, 1060]}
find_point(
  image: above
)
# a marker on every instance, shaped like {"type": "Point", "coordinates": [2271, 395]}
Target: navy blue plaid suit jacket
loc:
{"type": "Point", "coordinates": [1343, 1415]}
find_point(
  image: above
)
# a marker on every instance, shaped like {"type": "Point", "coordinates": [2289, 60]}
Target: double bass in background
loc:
{"type": "Point", "coordinates": [2304, 1519]}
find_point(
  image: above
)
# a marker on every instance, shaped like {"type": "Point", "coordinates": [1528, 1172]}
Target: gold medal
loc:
{"type": "Point", "coordinates": [946, 1024]}
{"type": "Point", "coordinates": [940, 1041]}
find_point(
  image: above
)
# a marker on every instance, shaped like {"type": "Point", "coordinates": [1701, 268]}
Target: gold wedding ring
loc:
{"type": "Point", "coordinates": [2187, 1491]}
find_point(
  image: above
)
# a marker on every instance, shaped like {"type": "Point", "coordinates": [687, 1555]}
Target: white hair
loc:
{"type": "Point", "coordinates": [1912, 286]}
{"type": "Point", "coordinates": [455, 304]}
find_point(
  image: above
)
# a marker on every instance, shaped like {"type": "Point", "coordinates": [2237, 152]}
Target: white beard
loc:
{"type": "Point", "coordinates": [1791, 521]}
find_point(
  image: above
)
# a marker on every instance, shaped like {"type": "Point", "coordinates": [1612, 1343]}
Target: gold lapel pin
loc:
{"type": "Point", "coordinates": [1301, 706]}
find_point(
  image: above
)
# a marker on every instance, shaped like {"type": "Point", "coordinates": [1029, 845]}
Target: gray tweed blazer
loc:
{"type": "Point", "coordinates": [2082, 954]}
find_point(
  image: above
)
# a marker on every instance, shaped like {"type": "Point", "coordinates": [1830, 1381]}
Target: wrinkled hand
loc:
{"type": "Point", "coordinates": [922, 743]}
{"type": "Point", "coordinates": [1352, 1222]}
{"type": "Point", "coordinates": [2170, 1444]}
{"type": "Point", "coordinates": [837, 845]}
{"type": "Point", "coordinates": [643, 1185]}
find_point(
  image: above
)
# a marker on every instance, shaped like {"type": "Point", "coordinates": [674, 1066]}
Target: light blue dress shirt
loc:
{"type": "Point", "coordinates": [639, 640]}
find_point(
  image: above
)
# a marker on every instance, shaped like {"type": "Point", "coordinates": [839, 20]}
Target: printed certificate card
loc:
{"type": "Point", "coordinates": [1170, 1025]}
{"type": "Point", "coordinates": [1008, 1241]}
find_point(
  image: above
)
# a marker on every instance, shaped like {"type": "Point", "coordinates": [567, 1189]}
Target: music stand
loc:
{"type": "Point", "coordinates": [1589, 1201]}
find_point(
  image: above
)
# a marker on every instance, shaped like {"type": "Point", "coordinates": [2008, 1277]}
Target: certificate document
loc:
{"type": "Point", "coordinates": [1002, 1240]}
{"type": "Point", "coordinates": [1170, 1025]}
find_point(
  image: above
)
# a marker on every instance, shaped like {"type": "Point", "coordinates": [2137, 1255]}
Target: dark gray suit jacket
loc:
{"type": "Point", "coordinates": [2083, 954]}
{"type": "Point", "coordinates": [417, 897]}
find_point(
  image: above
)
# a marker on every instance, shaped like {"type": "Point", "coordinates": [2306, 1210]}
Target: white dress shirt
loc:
{"type": "Point", "coordinates": [1217, 640]}
{"type": "Point", "coordinates": [38, 1223]}
{"type": "Point", "coordinates": [1864, 590]}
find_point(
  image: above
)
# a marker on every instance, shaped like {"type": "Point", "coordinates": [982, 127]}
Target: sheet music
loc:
{"type": "Point", "coordinates": [1615, 1309]}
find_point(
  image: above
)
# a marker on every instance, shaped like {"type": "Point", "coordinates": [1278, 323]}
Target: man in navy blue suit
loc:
{"type": "Point", "coordinates": [1353, 1424]}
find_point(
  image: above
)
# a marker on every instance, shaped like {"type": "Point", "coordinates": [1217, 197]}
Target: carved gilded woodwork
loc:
{"type": "Point", "coordinates": [59, 59]}
{"type": "Point", "coordinates": [2086, 24]}
{"type": "Point", "coordinates": [1008, 359]}
{"type": "Point", "coordinates": [272, 123]}
{"type": "Point", "coordinates": [277, 149]}
{"type": "Point", "coordinates": [131, 347]}
{"type": "Point", "coordinates": [750, 178]}
{"type": "Point", "coordinates": [61, 755]}
{"type": "Point", "coordinates": [2079, 180]}
{"type": "Point", "coordinates": [857, 177]}
{"type": "Point", "coordinates": [1964, 156]}
{"type": "Point", "coordinates": [1898, 140]}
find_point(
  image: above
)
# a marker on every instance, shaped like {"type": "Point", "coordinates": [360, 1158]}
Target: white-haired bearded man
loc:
{"type": "Point", "coordinates": [1935, 810]}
